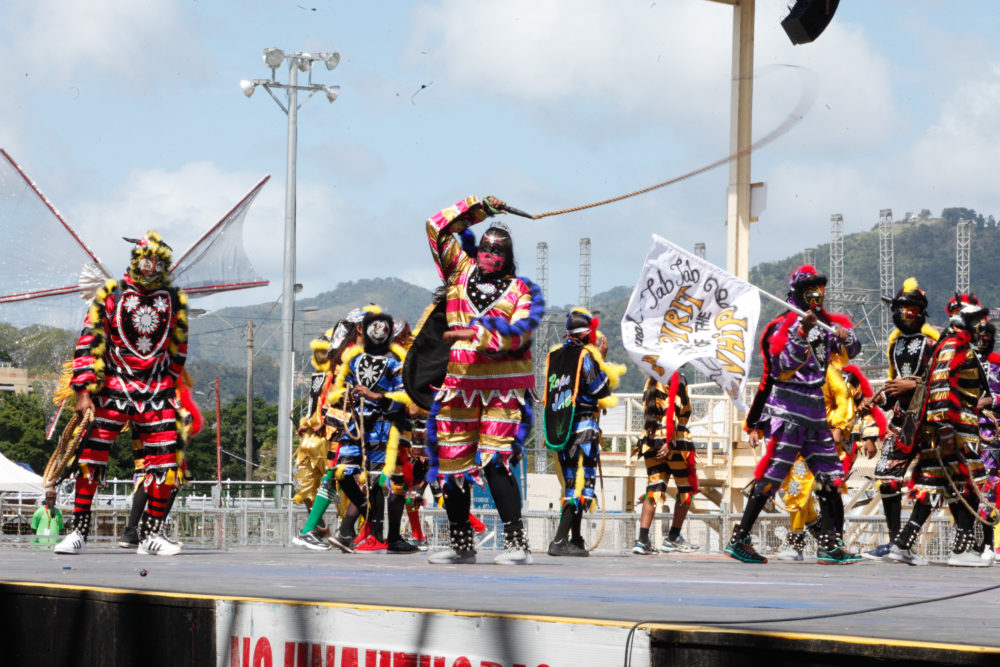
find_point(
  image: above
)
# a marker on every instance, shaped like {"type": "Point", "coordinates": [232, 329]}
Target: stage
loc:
{"type": "Point", "coordinates": [269, 606]}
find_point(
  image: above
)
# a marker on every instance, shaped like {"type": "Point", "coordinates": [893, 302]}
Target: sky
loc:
{"type": "Point", "coordinates": [129, 116]}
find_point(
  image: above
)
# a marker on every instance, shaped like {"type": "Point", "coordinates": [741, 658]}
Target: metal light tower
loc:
{"type": "Point", "coordinates": [585, 273]}
{"type": "Point", "coordinates": [540, 342]}
{"type": "Point", "coordinates": [835, 291]}
{"type": "Point", "coordinates": [297, 62]}
{"type": "Point", "coordinates": [887, 272]}
{"type": "Point", "coordinates": [963, 256]}
{"type": "Point", "coordinates": [699, 250]}
{"type": "Point", "coordinates": [809, 256]}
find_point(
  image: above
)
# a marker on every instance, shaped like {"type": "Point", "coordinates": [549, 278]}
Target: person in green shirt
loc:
{"type": "Point", "coordinates": [47, 521]}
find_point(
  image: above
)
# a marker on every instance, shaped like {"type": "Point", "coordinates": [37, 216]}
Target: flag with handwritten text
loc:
{"type": "Point", "coordinates": [685, 310]}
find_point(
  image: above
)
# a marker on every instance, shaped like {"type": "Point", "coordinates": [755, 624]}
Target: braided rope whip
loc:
{"type": "Point", "coordinates": [807, 96]}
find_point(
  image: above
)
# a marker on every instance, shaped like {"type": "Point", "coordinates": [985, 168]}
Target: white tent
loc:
{"type": "Point", "coordinates": [15, 478]}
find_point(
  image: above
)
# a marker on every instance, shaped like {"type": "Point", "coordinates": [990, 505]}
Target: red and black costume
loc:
{"type": "Point", "coordinates": [128, 358]}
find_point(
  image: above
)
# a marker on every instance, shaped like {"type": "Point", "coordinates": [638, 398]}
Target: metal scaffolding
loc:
{"type": "Point", "coordinates": [887, 273]}
{"type": "Point", "coordinates": [699, 250]}
{"type": "Point", "coordinates": [809, 256]}
{"type": "Point", "coordinates": [540, 347]}
{"type": "Point", "coordinates": [836, 287]}
{"type": "Point", "coordinates": [963, 256]}
{"type": "Point", "coordinates": [584, 299]}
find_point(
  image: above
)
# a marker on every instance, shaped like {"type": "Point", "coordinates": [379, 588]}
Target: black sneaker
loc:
{"type": "Point", "coordinates": [130, 538]}
{"type": "Point", "coordinates": [342, 542]}
{"type": "Point", "coordinates": [558, 548]}
{"type": "Point", "coordinates": [742, 550]}
{"type": "Point", "coordinates": [401, 546]}
{"type": "Point", "coordinates": [838, 555]}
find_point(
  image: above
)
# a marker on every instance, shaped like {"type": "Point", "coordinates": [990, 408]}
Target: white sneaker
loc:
{"type": "Point", "coordinates": [157, 545]}
{"type": "Point", "coordinates": [451, 557]}
{"type": "Point", "coordinates": [71, 544]}
{"type": "Point", "coordinates": [989, 556]}
{"type": "Point", "coordinates": [905, 556]}
{"type": "Point", "coordinates": [789, 552]}
{"type": "Point", "coordinates": [967, 559]}
{"type": "Point", "coordinates": [514, 557]}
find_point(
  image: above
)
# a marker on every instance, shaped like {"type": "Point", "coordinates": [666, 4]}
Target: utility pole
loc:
{"type": "Point", "coordinates": [249, 425]}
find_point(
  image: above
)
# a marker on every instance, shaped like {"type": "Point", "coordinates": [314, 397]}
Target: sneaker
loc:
{"type": "Point", "coordinates": [370, 543]}
{"type": "Point", "coordinates": [452, 557]}
{"type": "Point", "coordinates": [310, 540]}
{"type": "Point", "coordinates": [421, 545]}
{"type": "Point", "coordinates": [988, 555]}
{"type": "Point", "coordinates": [643, 548]}
{"type": "Point", "coordinates": [401, 546]}
{"type": "Point", "coordinates": [514, 556]}
{"type": "Point", "coordinates": [967, 559]}
{"type": "Point", "coordinates": [789, 552]}
{"type": "Point", "coordinates": [905, 556]}
{"type": "Point", "coordinates": [838, 555]}
{"type": "Point", "coordinates": [678, 544]}
{"type": "Point", "coordinates": [878, 553]}
{"type": "Point", "coordinates": [74, 543]}
{"type": "Point", "coordinates": [130, 538]}
{"type": "Point", "coordinates": [743, 550]}
{"type": "Point", "coordinates": [342, 542]}
{"type": "Point", "coordinates": [567, 548]}
{"type": "Point", "coordinates": [156, 545]}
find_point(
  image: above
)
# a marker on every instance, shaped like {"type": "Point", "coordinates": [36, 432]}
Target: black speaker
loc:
{"type": "Point", "coordinates": [808, 19]}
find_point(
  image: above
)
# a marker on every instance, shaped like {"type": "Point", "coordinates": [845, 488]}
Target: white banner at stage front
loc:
{"type": "Point", "coordinates": [258, 633]}
{"type": "Point", "coordinates": [685, 310]}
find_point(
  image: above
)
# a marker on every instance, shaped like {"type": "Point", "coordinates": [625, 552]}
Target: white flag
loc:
{"type": "Point", "coordinates": [686, 310]}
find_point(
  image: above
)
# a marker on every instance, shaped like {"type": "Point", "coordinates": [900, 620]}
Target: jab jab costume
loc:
{"type": "Point", "coordinates": [946, 437]}
{"type": "Point", "coordinates": [790, 410]}
{"type": "Point", "coordinates": [311, 454]}
{"type": "Point", "coordinates": [578, 384]}
{"type": "Point", "coordinates": [128, 358]}
{"type": "Point", "coordinates": [667, 409]}
{"type": "Point", "coordinates": [482, 409]}
{"type": "Point", "coordinates": [911, 344]}
{"type": "Point", "coordinates": [369, 450]}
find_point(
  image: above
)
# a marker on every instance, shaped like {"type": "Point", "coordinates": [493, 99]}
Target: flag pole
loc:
{"type": "Point", "coordinates": [795, 309]}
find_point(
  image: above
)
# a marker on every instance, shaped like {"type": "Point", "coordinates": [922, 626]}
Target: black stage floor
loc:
{"type": "Point", "coordinates": [689, 590]}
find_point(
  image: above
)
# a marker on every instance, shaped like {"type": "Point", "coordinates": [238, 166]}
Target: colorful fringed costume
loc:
{"type": "Point", "coordinates": [989, 430]}
{"type": "Point", "coordinates": [578, 384]}
{"type": "Point", "coordinates": [790, 410]}
{"type": "Point", "coordinates": [946, 435]}
{"type": "Point", "coordinates": [482, 411]}
{"type": "Point", "coordinates": [368, 464]}
{"type": "Point", "coordinates": [128, 358]}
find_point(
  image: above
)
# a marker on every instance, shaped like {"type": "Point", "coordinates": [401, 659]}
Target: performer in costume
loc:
{"type": "Point", "coordinates": [482, 411]}
{"type": "Point", "coordinates": [989, 430]}
{"type": "Point", "coordinates": [667, 450]}
{"type": "Point", "coordinates": [311, 454]}
{"type": "Point", "coordinates": [946, 436]}
{"type": "Point", "coordinates": [127, 361]}
{"type": "Point", "coordinates": [335, 416]}
{"type": "Point", "coordinates": [910, 347]}
{"type": "Point", "coordinates": [369, 447]}
{"type": "Point", "coordinates": [578, 384]}
{"type": "Point", "coordinates": [791, 412]}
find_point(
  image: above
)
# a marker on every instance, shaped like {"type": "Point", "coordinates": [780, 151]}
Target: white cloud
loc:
{"type": "Point", "coordinates": [138, 42]}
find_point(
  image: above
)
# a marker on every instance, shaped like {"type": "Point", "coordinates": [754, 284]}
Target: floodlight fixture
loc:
{"type": "Point", "coordinates": [332, 92]}
{"type": "Point", "coordinates": [247, 86]}
{"type": "Point", "coordinates": [273, 57]}
{"type": "Point", "coordinates": [332, 61]}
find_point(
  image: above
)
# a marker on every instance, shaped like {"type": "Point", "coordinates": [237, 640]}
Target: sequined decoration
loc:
{"type": "Point", "coordinates": [483, 291]}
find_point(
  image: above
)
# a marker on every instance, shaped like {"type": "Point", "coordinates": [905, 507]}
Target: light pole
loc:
{"type": "Point", "coordinates": [297, 62]}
